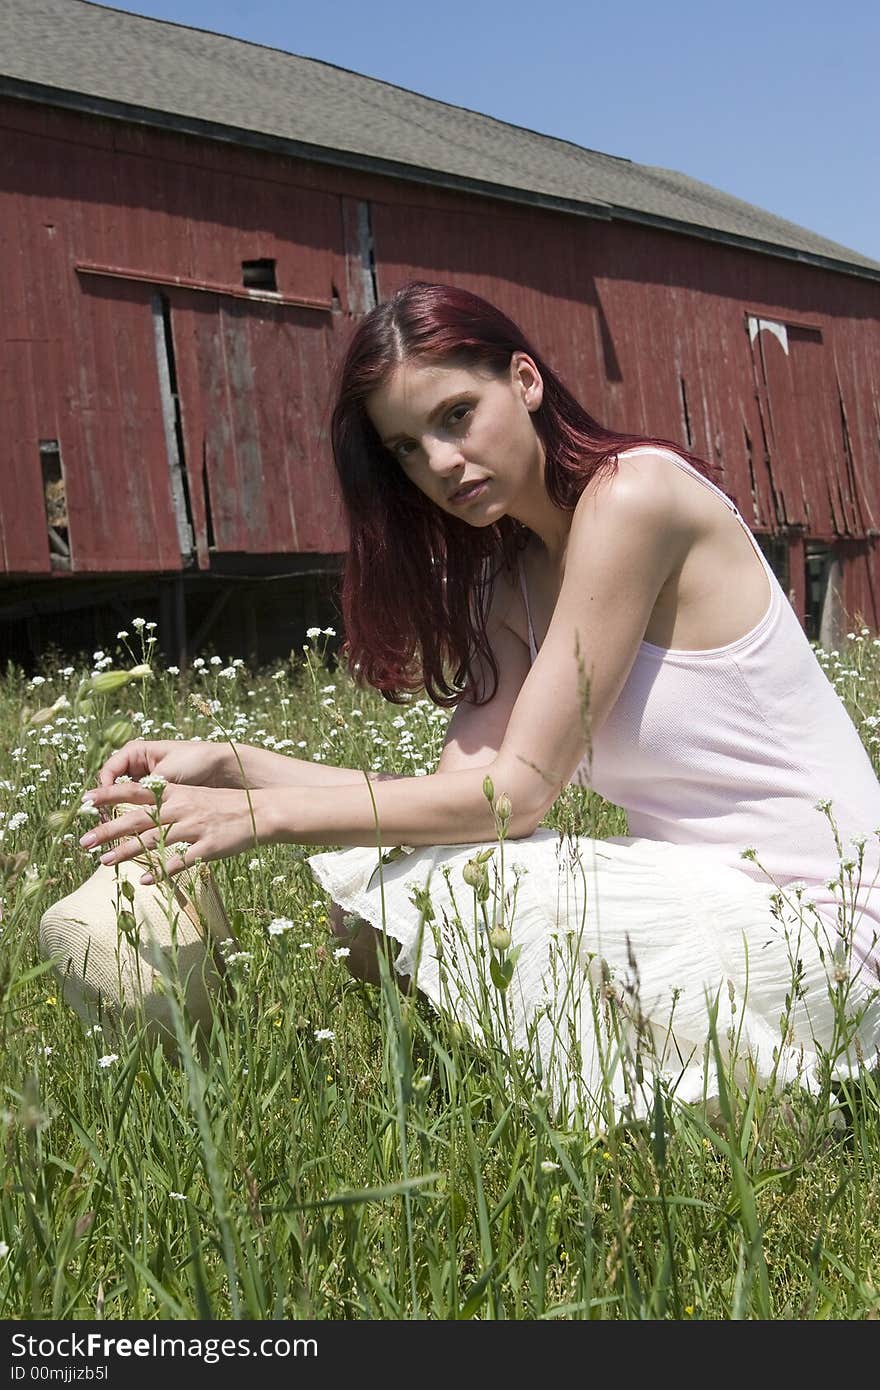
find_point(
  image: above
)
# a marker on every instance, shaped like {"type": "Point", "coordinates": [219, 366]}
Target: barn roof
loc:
{"type": "Point", "coordinates": [85, 56]}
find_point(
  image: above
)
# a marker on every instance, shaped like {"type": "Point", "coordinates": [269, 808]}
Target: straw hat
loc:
{"type": "Point", "coordinates": [120, 947]}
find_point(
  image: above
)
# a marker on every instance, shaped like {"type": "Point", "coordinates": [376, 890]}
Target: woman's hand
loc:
{"type": "Point", "coordinates": [197, 823]}
{"type": "Point", "coordinates": [196, 764]}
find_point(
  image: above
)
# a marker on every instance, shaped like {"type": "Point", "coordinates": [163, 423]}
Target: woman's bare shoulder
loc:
{"type": "Point", "coordinates": [645, 485]}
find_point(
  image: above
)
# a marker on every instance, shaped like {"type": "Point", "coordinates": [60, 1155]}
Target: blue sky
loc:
{"type": "Point", "coordinates": [774, 102]}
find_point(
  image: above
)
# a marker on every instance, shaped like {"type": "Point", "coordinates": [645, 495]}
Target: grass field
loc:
{"type": "Point", "coordinates": [338, 1150]}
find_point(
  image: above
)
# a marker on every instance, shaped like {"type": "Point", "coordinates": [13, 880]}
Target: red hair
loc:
{"type": "Point", "coordinates": [416, 581]}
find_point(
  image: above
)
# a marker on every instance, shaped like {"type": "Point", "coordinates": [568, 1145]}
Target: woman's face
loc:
{"type": "Point", "coordinates": [464, 439]}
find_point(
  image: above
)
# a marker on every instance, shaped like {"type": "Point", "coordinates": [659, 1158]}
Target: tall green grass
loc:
{"type": "Point", "coordinates": [342, 1151]}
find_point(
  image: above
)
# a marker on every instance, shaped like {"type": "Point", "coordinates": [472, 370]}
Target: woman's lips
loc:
{"type": "Point", "coordinates": [467, 494]}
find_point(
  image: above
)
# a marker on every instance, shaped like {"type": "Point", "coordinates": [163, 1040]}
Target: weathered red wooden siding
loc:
{"type": "Point", "coordinates": [652, 331]}
{"type": "Point", "coordinates": [769, 368]}
{"type": "Point", "coordinates": [80, 356]}
{"type": "Point", "coordinates": [628, 314]}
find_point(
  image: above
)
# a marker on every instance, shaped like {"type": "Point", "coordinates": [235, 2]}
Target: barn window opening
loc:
{"type": "Point", "coordinates": [800, 332]}
{"type": "Point", "coordinates": [55, 502]}
{"type": "Point", "coordinates": [259, 275]}
{"type": "Point", "coordinates": [818, 567]}
{"type": "Point", "coordinates": [686, 413]}
{"type": "Point", "coordinates": [209, 520]}
{"type": "Point", "coordinates": [753, 485]}
{"type": "Point", "coordinates": [776, 553]}
{"type": "Point", "coordinates": [172, 422]}
{"type": "Point", "coordinates": [849, 462]}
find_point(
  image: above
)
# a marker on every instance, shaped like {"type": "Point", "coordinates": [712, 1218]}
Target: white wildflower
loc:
{"type": "Point", "coordinates": [108, 1059]}
{"type": "Point", "coordinates": [178, 1196]}
{"type": "Point", "coordinates": [341, 952]}
{"type": "Point", "coordinates": [313, 632]}
{"type": "Point", "coordinates": [324, 1035]}
{"type": "Point", "coordinates": [4, 1249]}
{"type": "Point", "coordinates": [173, 670]}
{"type": "Point", "coordinates": [154, 782]}
{"type": "Point", "coordinates": [279, 925]}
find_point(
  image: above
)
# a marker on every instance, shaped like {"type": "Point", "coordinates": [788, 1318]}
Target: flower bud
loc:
{"type": "Point", "coordinates": [41, 716]}
{"type": "Point", "coordinates": [503, 808]}
{"type": "Point", "coordinates": [105, 682]}
{"type": "Point", "coordinates": [140, 673]}
{"type": "Point", "coordinates": [31, 887]}
{"type": "Point", "coordinates": [488, 788]}
{"type": "Point", "coordinates": [117, 732]}
{"type": "Point", "coordinates": [499, 938]}
{"type": "Point", "coordinates": [473, 873]}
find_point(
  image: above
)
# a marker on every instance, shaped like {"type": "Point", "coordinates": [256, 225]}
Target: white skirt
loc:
{"type": "Point", "coordinates": [633, 959]}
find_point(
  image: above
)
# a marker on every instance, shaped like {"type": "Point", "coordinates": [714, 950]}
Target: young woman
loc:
{"type": "Point", "coordinates": [596, 610]}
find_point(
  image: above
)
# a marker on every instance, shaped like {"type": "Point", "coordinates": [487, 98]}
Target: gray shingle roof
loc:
{"type": "Point", "coordinates": [81, 54]}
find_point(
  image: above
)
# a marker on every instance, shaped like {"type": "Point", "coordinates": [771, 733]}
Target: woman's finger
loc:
{"type": "Point", "coordinates": [130, 760]}
{"type": "Point", "coordinates": [134, 822]}
{"type": "Point", "coordinates": [132, 846]}
{"type": "Point", "coordinates": [117, 794]}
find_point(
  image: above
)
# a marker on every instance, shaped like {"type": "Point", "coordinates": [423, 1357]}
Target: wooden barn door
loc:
{"type": "Point", "coordinates": [796, 400]}
{"type": "Point", "coordinates": [253, 381]}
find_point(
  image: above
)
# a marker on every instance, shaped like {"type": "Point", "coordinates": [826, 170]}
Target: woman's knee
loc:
{"type": "Point", "coordinates": [364, 943]}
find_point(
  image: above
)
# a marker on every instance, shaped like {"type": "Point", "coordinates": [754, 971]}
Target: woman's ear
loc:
{"type": "Point", "coordinates": [527, 380]}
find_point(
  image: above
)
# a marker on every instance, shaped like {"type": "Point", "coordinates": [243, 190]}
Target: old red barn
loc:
{"type": "Point", "coordinates": [189, 225]}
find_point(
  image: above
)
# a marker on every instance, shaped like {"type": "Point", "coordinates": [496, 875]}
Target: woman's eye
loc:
{"type": "Point", "coordinates": [457, 416]}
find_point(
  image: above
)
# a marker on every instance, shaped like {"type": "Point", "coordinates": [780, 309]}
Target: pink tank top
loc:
{"type": "Point", "coordinates": [731, 749]}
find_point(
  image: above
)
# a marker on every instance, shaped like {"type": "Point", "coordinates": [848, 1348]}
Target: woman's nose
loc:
{"type": "Point", "coordinates": [444, 456]}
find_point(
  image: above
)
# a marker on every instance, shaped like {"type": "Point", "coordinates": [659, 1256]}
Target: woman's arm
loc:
{"type": "Point", "coordinates": [263, 769]}
{"type": "Point", "coordinates": [627, 537]}
{"type": "Point", "coordinates": [198, 763]}
{"type": "Point", "coordinates": [473, 736]}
